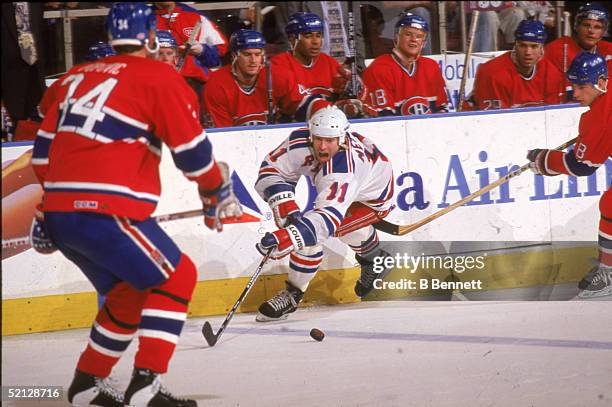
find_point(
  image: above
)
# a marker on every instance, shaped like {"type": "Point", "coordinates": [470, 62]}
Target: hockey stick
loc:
{"type": "Point", "coordinates": [22, 241]}
{"type": "Point", "coordinates": [207, 330]}
{"type": "Point", "coordinates": [269, 85]}
{"type": "Point", "coordinates": [188, 44]}
{"type": "Point", "coordinates": [352, 50]}
{"type": "Point", "coordinates": [400, 230]}
{"type": "Point", "coordinates": [466, 61]}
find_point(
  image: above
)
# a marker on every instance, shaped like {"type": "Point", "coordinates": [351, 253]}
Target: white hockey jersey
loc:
{"type": "Point", "coordinates": [358, 173]}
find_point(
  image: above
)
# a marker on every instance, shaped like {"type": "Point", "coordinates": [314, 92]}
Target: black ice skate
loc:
{"type": "Point", "coordinates": [586, 280]}
{"type": "Point", "coordinates": [600, 285]}
{"type": "Point", "coordinates": [365, 284]}
{"type": "Point", "coordinates": [146, 390]}
{"type": "Point", "coordinates": [281, 305]}
{"type": "Point", "coordinates": [89, 390]}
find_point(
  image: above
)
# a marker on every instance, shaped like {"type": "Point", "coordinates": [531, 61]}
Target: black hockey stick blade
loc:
{"type": "Point", "coordinates": [209, 335]}
{"type": "Point", "coordinates": [387, 227]}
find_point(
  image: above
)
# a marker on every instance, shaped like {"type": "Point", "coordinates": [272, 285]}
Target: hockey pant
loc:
{"type": "Point", "coordinates": [356, 231]}
{"type": "Point", "coordinates": [147, 281]}
{"type": "Point", "coordinates": [605, 228]}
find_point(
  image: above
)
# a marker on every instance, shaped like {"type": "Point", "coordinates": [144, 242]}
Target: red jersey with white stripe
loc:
{"type": "Point", "coordinates": [228, 104]}
{"type": "Point", "coordinates": [562, 51]}
{"type": "Point", "coordinates": [315, 78]}
{"type": "Point", "coordinates": [402, 91]}
{"type": "Point", "coordinates": [181, 23]}
{"type": "Point", "coordinates": [594, 144]}
{"type": "Point", "coordinates": [358, 173]}
{"type": "Point", "coordinates": [99, 146]}
{"type": "Point", "coordinates": [499, 85]}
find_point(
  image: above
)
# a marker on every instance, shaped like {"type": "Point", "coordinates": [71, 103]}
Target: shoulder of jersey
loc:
{"type": "Point", "coordinates": [299, 138]}
{"type": "Point", "coordinates": [221, 74]}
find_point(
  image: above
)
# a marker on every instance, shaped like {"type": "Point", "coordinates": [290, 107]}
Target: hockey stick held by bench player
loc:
{"type": "Point", "coordinates": [400, 230]}
{"type": "Point", "coordinates": [207, 330]}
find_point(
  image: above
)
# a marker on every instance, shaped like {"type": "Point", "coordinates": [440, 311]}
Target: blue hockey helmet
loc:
{"type": "Point", "coordinates": [99, 50]}
{"type": "Point", "coordinates": [166, 39]}
{"type": "Point", "coordinates": [592, 11]}
{"type": "Point", "coordinates": [245, 39]}
{"type": "Point", "coordinates": [130, 23]}
{"type": "Point", "coordinates": [586, 69]}
{"type": "Point", "coordinates": [530, 30]}
{"type": "Point", "coordinates": [300, 23]}
{"type": "Point", "coordinates": [411, 20]}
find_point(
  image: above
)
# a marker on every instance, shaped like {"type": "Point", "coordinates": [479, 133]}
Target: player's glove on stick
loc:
{"type": "Point", "coordinates": [284, 208]}
{"type": "Point", "coordinates": [39, 236]}
{"type": "Point", "coordinates": [221, 204]}
{"type": "Point", "coordinates": [341, 84]}
{"type": "Point", "coordinates": [538, 162]}
{"type": "Point", "coordinates": [294, 237]}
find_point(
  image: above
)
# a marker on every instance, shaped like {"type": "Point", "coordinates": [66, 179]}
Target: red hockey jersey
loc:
{"type": "Point", "coordinates": [228, 104]}
{"type": "Point", "coordinates": [99, 146]}
{"type": "Point", "coordinates": [181, 23]}
{"type": "Point", "coordinates": [316, 78]}
{"type": "Point", "coordinates": [594, 144]}
{"type": "Point", "coordinates": [402, 91]}
{"type": "Point", "coordinates": [562, 51]}
{"type": "Point", "coordinates": [499, 85]}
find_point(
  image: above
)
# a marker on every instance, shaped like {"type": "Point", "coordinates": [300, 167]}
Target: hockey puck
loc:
{"type": "Point", "coordinates": [317, 334]}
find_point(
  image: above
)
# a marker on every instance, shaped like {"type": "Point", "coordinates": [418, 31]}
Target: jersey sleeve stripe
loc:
{"type": "Point", "coordinates": [126, 119]}
{"type": "Point", "coordinates": [189, 145]}
{"type": "Point", "coordinates": [195, 160]}
{"type": "Point", "coordinates": [277, 188]}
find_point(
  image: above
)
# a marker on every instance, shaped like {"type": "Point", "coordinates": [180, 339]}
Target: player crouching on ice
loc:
{"type": "Point", "coordinates": [588, 75]}
{"type": "Point", "coordinates": [354, 183]}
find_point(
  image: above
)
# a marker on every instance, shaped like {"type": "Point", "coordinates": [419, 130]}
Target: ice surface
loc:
{"type": "Point", "coordinates": [400, 353]}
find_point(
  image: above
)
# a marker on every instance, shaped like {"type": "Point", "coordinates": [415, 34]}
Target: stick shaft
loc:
{"type": "Point", "coordinates": [245, 292]}
{"type": "Point", "coordinates": [188, 44]}
{"type": "Point", "coordinates": [466, 61]}
{"type": "Point", "coordinates": [402, 230]}
{"type": "Point", "coordinates": [23, 241]}
{"type": "Point", "coordinates": [270, 96]}
{"type": "Point", "coordinates": [352, 49]}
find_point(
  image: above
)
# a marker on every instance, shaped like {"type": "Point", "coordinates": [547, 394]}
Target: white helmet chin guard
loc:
{"type": "Point", "coordinates": [329, 122]}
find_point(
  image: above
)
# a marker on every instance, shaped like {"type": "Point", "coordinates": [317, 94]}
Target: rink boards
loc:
{"type": "Point", "coordinates": [437, 160]}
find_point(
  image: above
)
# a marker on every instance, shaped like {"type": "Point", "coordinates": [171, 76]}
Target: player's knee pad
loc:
{"type": "Point", "coordinates": [181, 283]}
{"type": "Point", "coordinates": [122, 306]}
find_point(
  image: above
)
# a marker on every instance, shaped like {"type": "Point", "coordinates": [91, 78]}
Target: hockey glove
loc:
{"type": "Point", "coordinates": [221, 204]}
{"type": "Point", "coordinates": [39, 236]}
{"type": "Point", "coordinates": [341, 84]}
{"type": "Point", "coordinates": [294, 237]}
{"type": "Point", "coordinates": [284, 208]}
{"type": "Point", "coordinates": [355, 108]}
{"type": "Point", "coordinates": [538, 162]}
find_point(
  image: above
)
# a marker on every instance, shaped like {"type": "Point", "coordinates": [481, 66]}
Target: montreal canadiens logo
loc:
{"type": "Point", "coordinates": [414, 106]}
{"type": "Point", "coordinates": [187, 31]}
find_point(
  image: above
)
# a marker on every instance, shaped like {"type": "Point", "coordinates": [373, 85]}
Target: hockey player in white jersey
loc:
{"type": "Point", "coordinates": [354, 183]}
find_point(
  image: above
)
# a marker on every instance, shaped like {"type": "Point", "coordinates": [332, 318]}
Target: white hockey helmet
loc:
{"type": "Point", "coordinates": [329, 122]}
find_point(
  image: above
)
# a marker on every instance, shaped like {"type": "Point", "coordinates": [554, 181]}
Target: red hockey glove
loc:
{"type": "Point", "coordinates": [221, 204]}
{"type": "Point", "coordinates": [538, 162]}
{"type": "Point", "coordinates": [283, 207]}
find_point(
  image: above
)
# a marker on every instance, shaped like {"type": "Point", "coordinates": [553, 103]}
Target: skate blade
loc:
{"type": "Point", "coordinates": [263, 318]}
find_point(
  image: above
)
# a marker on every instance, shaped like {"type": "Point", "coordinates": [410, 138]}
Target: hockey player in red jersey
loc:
{"type": "Point", "coordinates": [238, 94]}
{"type": "Point", "coordinates": [404, 82]}
{"type": "Point", "coordinates": [519, 77]}
{"type": "Point", "coordinates": [354, 183]}
{"type": "Point", "coordinates": [590, 26]}
{"type": "Point", "coordinates": [588, 75]}
{"type": "Point", "coordinates": [97, 156]}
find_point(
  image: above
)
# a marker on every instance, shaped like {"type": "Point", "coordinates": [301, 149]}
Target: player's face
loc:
{"type": "Point", "coordinates": [309, 44]}
{"type": "Point", "coordinates": [249, 61]}
{"type": "Point", "coordinates": [528, 53]}
{"type": "Point", "coordinates": [167, 56]}
{"type": "Point", "coordinates": [586, 94]}
{"type": "Point", "coordinates": [325, 148]}
{"type": "Point", "coordinates": [589, 32]}
{"type": "Point", "coordinates": [410, 41]}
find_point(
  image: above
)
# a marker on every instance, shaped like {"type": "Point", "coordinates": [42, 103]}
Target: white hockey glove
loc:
{"type": "Point", "coordinates": [221, 204]}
